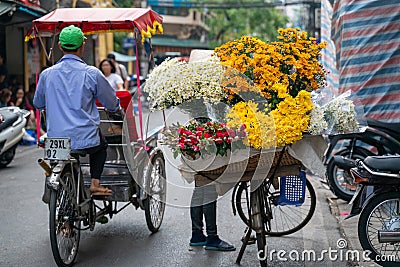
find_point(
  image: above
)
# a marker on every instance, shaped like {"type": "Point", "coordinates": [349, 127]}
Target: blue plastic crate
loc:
{"type": "Point", "coordinates": [293, 190]}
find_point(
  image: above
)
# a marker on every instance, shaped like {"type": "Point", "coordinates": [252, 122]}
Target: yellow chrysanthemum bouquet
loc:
{"type": "Point", "coordinates": [284, 72]}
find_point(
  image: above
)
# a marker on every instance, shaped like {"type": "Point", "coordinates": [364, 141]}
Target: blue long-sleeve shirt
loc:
{"type": "Point", "coordinates": [68, 91]}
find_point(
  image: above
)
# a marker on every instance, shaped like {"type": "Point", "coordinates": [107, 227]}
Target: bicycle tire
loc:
{"type": "Point", "coordinates": [368, 227]}
{"type": "Point", "coordinates": [310, 197]}
{"type": "Point", "coordinates": [61, 238]}
{"type": "Point", "coordinates": [154, 217]}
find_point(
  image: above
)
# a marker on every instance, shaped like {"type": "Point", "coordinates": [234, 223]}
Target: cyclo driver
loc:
{"type": "Point", "coordinates": [68, 92]}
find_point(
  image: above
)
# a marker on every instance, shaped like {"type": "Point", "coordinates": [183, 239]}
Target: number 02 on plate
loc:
{"type": "Point", "coordinates": [57, 148]}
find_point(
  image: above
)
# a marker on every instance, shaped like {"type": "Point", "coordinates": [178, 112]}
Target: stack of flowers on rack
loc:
{"type": "Point", "coordinates": [266, 85]}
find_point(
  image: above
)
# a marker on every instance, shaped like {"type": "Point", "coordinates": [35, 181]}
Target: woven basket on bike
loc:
{"type": "Point", "coordinates": [256, 167]}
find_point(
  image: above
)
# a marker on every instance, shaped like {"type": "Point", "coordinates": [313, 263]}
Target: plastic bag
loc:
{"type": "Point", "coordinates": [336, 115]}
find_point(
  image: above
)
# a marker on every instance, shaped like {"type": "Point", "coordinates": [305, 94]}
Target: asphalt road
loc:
{"type": "Point", "coordinates": [126, 241]}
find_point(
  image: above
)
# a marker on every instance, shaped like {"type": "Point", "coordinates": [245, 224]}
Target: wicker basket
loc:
{"type": "Point", "coordinates": [256, 167]}
{"type": "Point", "coordinates": [255, 162]}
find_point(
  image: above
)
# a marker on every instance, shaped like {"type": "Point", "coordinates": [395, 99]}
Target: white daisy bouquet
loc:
{"type": "Point", "coordinates": [338, 116]}
{"type": "Point", "coordinates": [175, 82]}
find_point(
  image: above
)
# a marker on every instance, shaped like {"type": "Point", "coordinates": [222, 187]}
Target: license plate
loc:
{"type": "Point", "coordinates": [358, 190]}
{"type": "Point", "coordinates": [57, 148]}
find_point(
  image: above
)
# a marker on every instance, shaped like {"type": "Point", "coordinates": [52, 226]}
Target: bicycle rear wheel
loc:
{"type": "Point", "coordinates": [63, 223]}
{"type": "Point", "coordinates": [281, 220]}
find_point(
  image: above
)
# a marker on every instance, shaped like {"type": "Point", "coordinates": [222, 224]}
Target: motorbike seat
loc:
{"type": "Point", "coordinates": [9, 119]}
{"type": "Point", "coordinates": [383, 163]}
{"type": "Point", "coordinates": [390, 128]}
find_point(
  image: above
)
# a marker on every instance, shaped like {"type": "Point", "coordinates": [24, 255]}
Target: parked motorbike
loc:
{"type": "Point", "coordinates": [12, 129]}
{"type": "Point", "coordinates": [377, 200]}
{"type": "Point", "coordinates": [379, 138]}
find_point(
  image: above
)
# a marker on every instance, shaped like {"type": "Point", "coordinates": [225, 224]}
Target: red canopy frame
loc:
{"type": "Point", "coordinates": [98, 20]}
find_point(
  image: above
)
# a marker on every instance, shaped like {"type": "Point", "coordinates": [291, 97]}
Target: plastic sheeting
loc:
{"type": "Point", "coordinates": [366, 38]}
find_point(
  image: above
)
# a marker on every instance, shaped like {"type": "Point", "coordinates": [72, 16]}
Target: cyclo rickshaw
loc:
{"type": "Point", "coordinates": [135, 167]}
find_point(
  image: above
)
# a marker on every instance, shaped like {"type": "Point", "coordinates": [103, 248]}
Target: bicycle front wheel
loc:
{"type": "Point", "coordinates": [63, 223]}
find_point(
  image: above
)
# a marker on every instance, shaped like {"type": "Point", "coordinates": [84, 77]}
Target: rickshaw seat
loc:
{"type": "Point", "coordinates": [125, 99]}
{"type": "Point", "coordinates": [108, 129]}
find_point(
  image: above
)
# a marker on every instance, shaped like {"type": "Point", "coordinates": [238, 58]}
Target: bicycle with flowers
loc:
{"type": "Point", "coordinates": [265, 91]}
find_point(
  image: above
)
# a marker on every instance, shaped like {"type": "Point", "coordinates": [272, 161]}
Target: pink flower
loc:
{"type": "Point", "coordinates": [207, 135]}
{"type": "Point", "coordinates": [218, 140]}
{"type": "Point", "coordinates": [219, 134]}
{"type": "Point", "coordinates": [181, 130]}
{"type": "Point", "coordinates": [230, 132]}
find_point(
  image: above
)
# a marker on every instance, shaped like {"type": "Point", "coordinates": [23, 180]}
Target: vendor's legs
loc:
{"type": "Point", "coordinates": [210, 209]}
{"type": "Point", "coordinates": [196, 210]}
{"type": "Point", "coordinates": [204, 202]}
{"type": "Point", "coordinates": [196, 215]}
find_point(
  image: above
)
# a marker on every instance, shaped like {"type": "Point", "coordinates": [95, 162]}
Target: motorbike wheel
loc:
{"type": "Point", "coordinates": [340, 181]}
{"type": "Point", "coordinates": [7, 157]}
{"type": "Point", "coordinates": [381, 213]}
{"type": "Point", "coordinates": [63, 223]}
{"type": "Point", "coordinates": [285, 219]}
{"type": "Point", "coordinates": [154, 204]}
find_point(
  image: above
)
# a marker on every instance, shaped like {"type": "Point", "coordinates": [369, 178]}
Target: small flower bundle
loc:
{"type": "Point", "coordinates": [198, 139]}
{"type": "Point", "coordinates": [174, 82]}
{"type": "Point", "coordinates": [338, 116]}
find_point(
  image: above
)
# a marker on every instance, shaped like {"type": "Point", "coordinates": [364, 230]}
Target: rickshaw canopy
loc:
{"type": "Point", "coordinates": [98, 20]}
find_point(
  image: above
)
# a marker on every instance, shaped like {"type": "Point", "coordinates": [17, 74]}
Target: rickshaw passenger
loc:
{"type": "Point", "coordinates": [68, 91]}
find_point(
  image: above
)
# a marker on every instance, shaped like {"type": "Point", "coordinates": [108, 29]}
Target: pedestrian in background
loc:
{"type": "Point", "coordinates": [5, 97]}
{"type": "Point", "coordinates": [120, 70]}
{"type": "Point", "coordinates": [108, 69]}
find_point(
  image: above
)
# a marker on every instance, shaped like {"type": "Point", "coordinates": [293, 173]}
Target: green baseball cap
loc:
{"type": "Point", "coordinates": [71, 37]}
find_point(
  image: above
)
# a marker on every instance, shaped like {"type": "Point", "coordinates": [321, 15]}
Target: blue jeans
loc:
{"type": "Point", "coordinates": [204, 202]}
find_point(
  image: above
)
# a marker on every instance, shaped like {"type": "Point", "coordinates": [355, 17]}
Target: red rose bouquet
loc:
{"type": "Point", "coordinates": [198, 139]}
